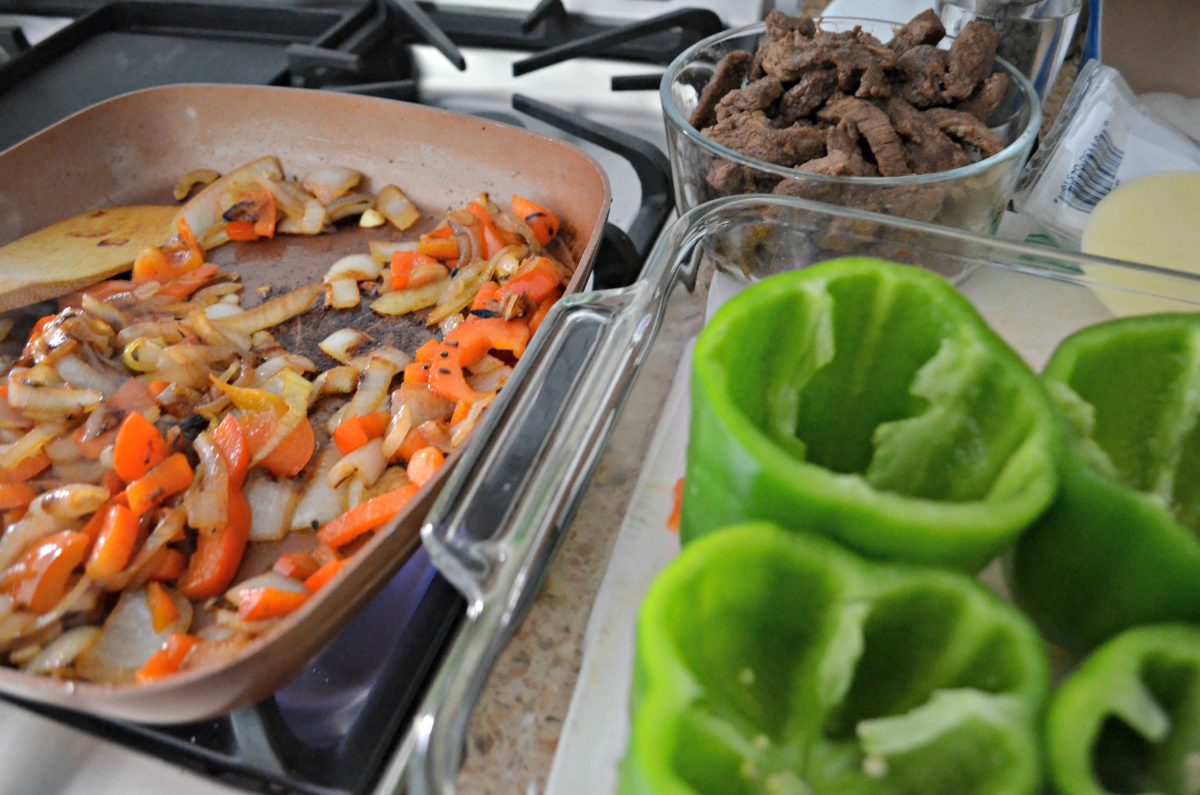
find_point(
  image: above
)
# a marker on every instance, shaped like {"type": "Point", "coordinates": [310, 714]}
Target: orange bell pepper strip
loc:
{"type": "Point", "coordinates": [321, 577]}
{"type": "Point", "coordinates": [439, 248]}
{"type": "Point", "coordinates": [94, 525]}
{"type": "Point", "coordinates": [411, 444]}
{"type": "Point", "coordinates": [493, 239]}
{"type": "Point", "coordinates": [537, 284]}
{"type": "Point", "coordinates": [241, 230]}
{"type": "Point", "coordinates": [166, 479]}
{"type": "Point", "coordinates": [182, 287]}
{"type": "Point", "coordinates": [677, 507]}
{"type": "Point", "coordinates": [218, 554]}
{"type": "Point", "coordinates": [139, 447]}
{"type": "Point", "coordinates": [353, 432]}
{"type": "Point", "coordinates": [297, 565]}
{"type": "Point", "coordinates": [163, 612]}
{"type": "Point", "coordinates": [487, 299]}
{"type": "Point", "coordinates": [461, 409]}
{"type": "Point", "coordinates": [424, 464]}
{"type": "Point", "coordinates": [169, 659]}
{"type": "Point", "coordinates": [427, 351]}
{"type": "Point", "coordinates": [539, 314]}
{"type": "Point", "coordinates": [114, 543]}
{"type": "Point", "coordinates": [289, 456]}
{"type": "Point", "coordinates": [369, 516]}
{"type": "Point", "coordinates": [112, 481]}
{"type": "Point", "coordinates": [230, 441]}
{"type": "Point", "coordinates": [15, 495]}
{"type": "Point", "coordinates": [416, 373]}
{"type": "Point", "coordinates": [262, 604]}
{"type": "Point", "coordinates": [465, 346]}
{"type": "Point", "coordinates": [168, 565]}
{"type": "Point", "coordinates": [152, 265]}
{"type": "Point", "coordinates": [27, 468]}
{"type": "Point", "coordinates": [542, 222]}
{"type": "Point", "coordinates": [414, 269]}
{"type": "Point", "coordinates": [38, 580]}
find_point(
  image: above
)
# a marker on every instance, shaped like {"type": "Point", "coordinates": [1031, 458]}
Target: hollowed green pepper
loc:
{"type": "Point", "coordinates": [1119, 546]}
{"type": "Point", "coordinates": [871, 402]}
{"type": "Point", "coordinates": [775, 662]}
{"type": "Point", "coordinates": [1128, 719]}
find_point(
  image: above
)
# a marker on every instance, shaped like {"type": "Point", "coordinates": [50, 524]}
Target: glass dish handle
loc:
{"type": "Point", "coordinates": [508, 502]}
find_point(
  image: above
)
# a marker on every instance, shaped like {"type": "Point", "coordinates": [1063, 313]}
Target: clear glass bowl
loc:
{"type": "Point", "coordinates": [972, 197]}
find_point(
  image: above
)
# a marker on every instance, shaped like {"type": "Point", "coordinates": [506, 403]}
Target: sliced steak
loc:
{"type": "Point", "coordinates": [754, 96]}
{"type": "Point", "coordinates": [966, 128]}
{"type": "Point", "coordinates": [983, 103]}
{"type": "Point", "coordinates": [874, 125]}
{"type": "Point", "coordinates": [780, 25]}
{"type": "Point", "coordinates": [844, 157]}
{"type": "Point", "coordinates": [729, 74]}
{"type": "Point", "coordinates": [971, 57]}
{"type": "Point", "coordinates": [811, 91]}
{"type": "Point", "coordinates": [727, 178]}
{"type": "Point", "coordinates": [874, 84]}
{"type": "Point", "coordinates": [924, 28]}
{"type": "Point", "coordinates": [923, 70]}
{"type": "Point", "coordinates": [751, 134]}
{"type": "Point", "coordinates": [926, 147]}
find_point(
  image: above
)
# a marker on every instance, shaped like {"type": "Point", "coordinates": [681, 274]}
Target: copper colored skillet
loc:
{"type": "Point", "coordinates": [131, 149]}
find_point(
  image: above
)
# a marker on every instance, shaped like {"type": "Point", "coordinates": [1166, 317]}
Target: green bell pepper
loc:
{"type": "Point", "coordinates": [871, 402]}
{"type": "Point", "coordinates": [770, 661]}
{"type": "Point", "coordinates": [1128, 719]}
{"type": "Point", "coordinates": [1119, 546]}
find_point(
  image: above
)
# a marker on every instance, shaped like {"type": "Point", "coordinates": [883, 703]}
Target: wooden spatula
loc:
{"type": "Point", "coordinates": [78, 251]}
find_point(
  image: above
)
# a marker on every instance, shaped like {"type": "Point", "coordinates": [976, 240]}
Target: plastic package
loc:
{"type": "Point", "coordinates": [1104, 136]}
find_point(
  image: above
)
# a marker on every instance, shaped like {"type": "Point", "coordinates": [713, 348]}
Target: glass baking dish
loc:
{"type": "Point", "coordinates": [602, 374]}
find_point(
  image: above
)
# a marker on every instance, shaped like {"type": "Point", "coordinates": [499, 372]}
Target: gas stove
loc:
{"type": "Point", "coordinates": [339, 727]}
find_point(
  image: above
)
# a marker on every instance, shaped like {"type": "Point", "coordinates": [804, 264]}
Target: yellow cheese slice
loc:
{"type": "Point", "coordinates": [1154, 220]}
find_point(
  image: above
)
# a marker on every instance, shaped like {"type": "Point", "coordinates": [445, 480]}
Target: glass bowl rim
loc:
{"type": "Point", "coordinates": [675, 117]}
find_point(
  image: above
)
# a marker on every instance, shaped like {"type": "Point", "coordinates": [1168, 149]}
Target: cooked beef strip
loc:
{"type": "Point", "coordinates": [729, 74]}
{"type": "Point", "coordinates": [790, 56]}
{"type": "Point", "coordinates": [755, 96]}
{"type": "Point", "coordinates": [971, 57]}
{"type": "Point", "coordinates": [923, 68]}
{"type": "Point", "coordinates": [983, 103]}
{"type": "Point", "coordinates": [780, 24]}
{"type": "Point", "coordinates": [756, 66]}
{"type": "Point", "coordinates": [727, 178]}
{"type": "Point", "coordinates": [844, 158]}
{"type": "Point", "coordinates": [918, 203]}
{"type": "Point", "coordinates": [928, 148]}
{"type": "Point", "coordinates": [924, 28]}
{"type": "Point", "coordinates": [966, 128]}
{"type": "Point", "coordinates": [875, 126]}
{"type": "Point", "coordinates": [751, 134]}
{"type": "Point", "coordinates": [874, 84]}
{"type": "Point", "coordinates": [850, 52]}
{"type": "Point", "coordinates": [811, 91]}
